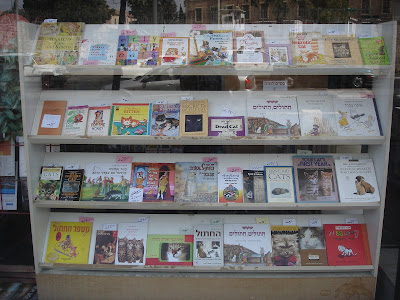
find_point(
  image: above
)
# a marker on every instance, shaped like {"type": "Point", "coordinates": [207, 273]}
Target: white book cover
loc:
{"type": "Point", "coordinates": [131, 244]}
{"type": "Point", "coordinates": [98, 52]}
{"type": "Point", "coordinates": [230, 187]}
{"type": "Point", "coordinates": [75, 120]}
{"type": "Point", "coordinates": [279, 184]}
{"type": "Point", "coordinates": [208, 245]}
{"type": "Point", "coordinates": [7, 158]}
{"type": "Point", "coordinates": [174, 51]}
{"type": "Point", "coordinates": [98, 121]}
{"type": "Point", "coordinates": [8, 193]}
{"type": "Point", "coordinates": [356, 181]}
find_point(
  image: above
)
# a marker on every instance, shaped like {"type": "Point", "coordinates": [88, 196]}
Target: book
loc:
{"type": "Point", "coordinates": [68, 242]}
{"type": "Point", "coordinates": [285, 246]}
{"type": "Point", "coordinates": [130, 119]}
{"type": "Point", "coordinates": [315, 179]}
{"type": "Point", "coordinates": [273, 116]}
{"type": "Point", "coordinates": [194, 118]}
{"type": "Point", "coordinates": [132, 244]}
{"type": "Point", "coordinates": [8, 193]}
{"type": "Point", "coordinates": [279, 184]}
{"type": "Point", "coordinates": [75, 120]}
{"type": "Point", "coordinates": [247, 245]}
{"type": "Point", "coordinates": [307, 48]}
{"type": "Point", "coordinates": [342, 50]}
{"type": "Point", "coordinates": [52, 118]}
{"type": "Point", "coordinates": [208, 245]}
{"type": "Point", "coordinates": [347, 244]}
{"type": "Point", "coordinates": [373, 51]}
{"type": "Point", "coordinates": [106, 182]}
{"type": "Point", "coordinates": [226, 126]}
{"type": "Point", "coordinates": [196, 182]}
{"type": "Point", "coordinates": [249, 47]}
{"type": "Point", "coordinates": [105, 247]}
{"type": "Point", "coordinates": [230, 187]}
{"type": "Point", "coordinates": [312, 246]}
{"type": "Point", "coordinates": [165, 120]}
{"type": "Point", "coordinates": [98, 121]}
{"type": "Point", "coordinates": [317, 117]}
{"type": "Point", "coordinates": [98, 52]}
{"type": "Point", "coordinates": [253, 187]}
{"type": "Point", "coordinates": [49, 184]}
{"type": "Point", "coordinates": [7, 159]}
{"type": "Point", "coordinates": [71, 185]}
{"type": "Point", "coordinates": [169, 250]}
{"type": "Point", "coordinates": [357, 181]}
{"type": "Point", "coordinates": [279, 54]}
{"type": "Point", "coordinates": [174, 51]}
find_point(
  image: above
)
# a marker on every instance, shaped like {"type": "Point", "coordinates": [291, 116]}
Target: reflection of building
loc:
{"type": "Point", "coordinates": [129, 19]}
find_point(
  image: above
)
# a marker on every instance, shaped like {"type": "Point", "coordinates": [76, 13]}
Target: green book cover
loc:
{"type": "Point", "coordinates": [169, 249]}
{"type": "Point", "coordinates": [373, 51]}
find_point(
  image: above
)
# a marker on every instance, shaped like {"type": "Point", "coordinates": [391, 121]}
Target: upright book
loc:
{"type": "Point", "coordinates": [174, 51]}
{"type": "Point", "coordinates": [51, 117]}
{"type": "Point", "coordinates": [226, 126]}
{"type": "Point", "coordinates": [130, 119]}
{"type": "Point", "coordinates": [307, 48]}
{"type": "Point", "coordinates": [312, 246]}
{"type": "Point", "coordinates": [373, 51]}
{"type": "Point", "coordinates": [279, 184]}
{"type": "Point", "coordinates": [98, 121]}
{"type": "Point", "coordinates": [208, 245]}
{"type": "Point", "coordinates": [105, 248]}
{"type": "Point", "coordinates": [98, 52]}
{"type": "Point", "coordinates": [249, 47]}
{"type": "Point", "coordinates": [342, 50]}
{"type": "Point", "coordinates": [71, 185]}
{"type": "Point", "coordinates": [230, 187]}
{"type": "Point", "coordinates": [253, 186]}
{"type": "Point", "coordinates": [194, 118]}
{"type": "Point", "coordinates": [131, 245]}
{"type": "Point", "coordinates": [75, 120]}
{"type": "Point", "coordinates": [285, 246]}
{"type": "Point", "coordinates": [279, 54]}
{"type": "Point", "coordinates": [49, 184]}
{"type": "Point", "coordinates": [165, 120]}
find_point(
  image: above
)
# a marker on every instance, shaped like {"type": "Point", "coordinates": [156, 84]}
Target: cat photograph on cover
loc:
{"type": "Point", "coordinates": [175, 252]}
{"type": "Point", "coordinates": [47, 190]}
{"type": "Point", "coordinates": [285, 250]}
{"type": "Point", "coordinates": [317, 183]}
{"type": "Point", "coordinates": [312, 238]}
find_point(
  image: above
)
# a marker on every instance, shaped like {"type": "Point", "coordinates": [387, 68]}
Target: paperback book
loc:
{"type": "Point", "coordinates": [279, 184]}
{"type": "Point", "coordinates": [174, 51]}
{"type": "Point", "coordinates": [307, 48]}
{"type": "Point", "coordinates": [51, 118]}
{"type": "Point", "coordinates": [342, 50]}
{"type": "Point", "coordinates": [373, 51]}
{"type": "Point", "coordinates": [226, 126]}
{"type": "Point", "coordinates": [230, 187]}
{"type": "Point", "coordinates": [312, 246]}
{"type": "Point", "coordinates": [71, 185]}
{"type": "Point", "coordinates": [75, 120]}
{"type": "Point", "coordinates": [98, 121]}
{"type": "Point", "coordinates": [165, 120]}
{"type": "Point", "coordinates": [105, 248]}
{"type": "Point", "coordinates": [208, 245]}
{"type": "Point", "coordinates": [279, 54]}
{"type": "Point", "coordinates": [131, 245]}
{"type": "Point", "coordinates": [98, 52]}
{"type": "Point", "coordinates": [249, 47]}
{"type": "Point", "coordinates": [130, 119]}
{"type": "Point", "coordinates": [253, 186]}
{"type": "Point", "coordinates": [194, 118]}
{"type": "Point", "coordinates": [141, 50]}
{"type": "Point", "coordinates": [49, 184]}
{"type": "Point", "coordinates": [285, 246]}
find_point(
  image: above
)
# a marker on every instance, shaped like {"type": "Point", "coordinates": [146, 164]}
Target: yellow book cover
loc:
{"type": "Point", "coordinates": [130, 119]}
{"type": "Point", "coordinates": [68, 243]}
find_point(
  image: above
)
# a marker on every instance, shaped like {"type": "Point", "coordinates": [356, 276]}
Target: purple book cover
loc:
{"type": "Point", "coordinates": [279, 54]}
{"type": "Point", "coordinates": [226, 126]}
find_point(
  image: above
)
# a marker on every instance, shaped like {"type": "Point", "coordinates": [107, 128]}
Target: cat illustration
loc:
{"type": "Point", "coordinates": [190, 184]}
{"type": "Point", "coordinates": [122, 250]}
{"type": "Point", "coordinates": [326, 183]}
{"type": "Point", "coordinates": [308, 56]}
{"type": "Point", "coordinates": [363, 187]}
{"type": "Point", "coordinates": [126, 122]}
{"type": "Point", "coordinates": [47, 191]}
{"type": "Point", "coordinates": [311, 187]}
{"type": "Point", "coordinates": [193, 123]}
{"type": "Point", "coordinates": [113, 196]}
{"type": "Point", "coordinates": [345, 252]}
{"type": "Point", "coordinates": [285, 250]}
{"type": "Point", "coordinates": [279, 191]}
{"type": "Point", "coordinates": [175, 252]}
{"type": "Point", "coordinates": [311, 238]}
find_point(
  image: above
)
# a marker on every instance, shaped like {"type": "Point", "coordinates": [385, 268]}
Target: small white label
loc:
{"type": "Point", "coordinates": [142, 220]}
{"type": "Point", "coordinates": [161, 101]}
{"type": "Point", "coordinates": [102, 105]}
{"type": "Point", "coordinates": [346, 157]}
{"type": "Point", "coordinates": [304, 152]}
{"type": "Point", "coordinates": [52, 148]}
{"type": "Point", "coordinates": [51, 121]}
{"type": "Point", "coordinates": [135, 195]}
{"type": "Point", "coordinates": [313, 257]}
{"type": "Point", "coordinates": [296, 28]}
{"type": "Point", "coordinates": [226, 112]}
{"type": "Point", "coordinates": [50, 21]}
{"type": "Point", "coordinates": [332, 32]}
{"type": "Point", "coordinates": [216, 221]}
{"type": "Point", "coordinates": [71, 167]}
{"type": "Point", "coordinates": [187, 98]}
{"type": "Point", "coordinates": [289, 222]}
{"type": "Point", "coordinates": [110, 227]}
{"type": "Point", "coordinates": [257, 168]}
{"type": "Point", "coordinates": [123, 100]}
{"type": "Point", "coordinates": [262, 220]}
{"type": "Point", "coordinates": [273, 42]}
{"type": "Point", "coordinates": [271, 164]}
{"type": "Point", "coordinates": [364, 35]}
{"type": "Point", "coordinates": [186, 230]}
{"type": "Point", "coordinates": [206, 221]}
{"type": "Point", "coordinates": [351, 221]}
{"type": "Point", "coordinates": [323, 93]}
{"type": "Point", "coordinates": [315, 223]}
{"type": "Point", "coordinates": [275, 85]}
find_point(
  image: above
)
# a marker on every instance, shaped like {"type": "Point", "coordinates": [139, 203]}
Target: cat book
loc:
{"type": "Point", "coordinates": [71, 185]}
{"type": "Point", "coordinates": [342, 50]}
{"type": "Point", "coordinates": [247, 245]}
{"type": "Point", "coordinates": [157, 181]}
{"type": "Point", "coordinates": [130, 119]}
{"type": "Point", "coordinates": [169, 250]}
{"type": "Point", "coordinates": [249, 47]}
{"type": "Point", "coordinates": [373, 51]}
{"type": "Point", "coordinates": [68, 243]}
{"type": "Point", "coordinates": [230, 187]}
{"type": "Point", "coordinates": [347, 244]}
{"type": "Point", "coordinates": [98, 121]}
{"type": "Point", "coordinates": [174, 51]}
{"type": "Point", "coordinates": [196, 182]}
{"type": "Point", "coordinates": [131, 244]}
{"type": "Point", "coordinates": [279, 184]}
{"type": "Point", "coordinates": [75, 120]}
{"type": "Point", "coordinates": [315, 179]}
{"type": "Point", "coordinates": [165, 120]}
{"type": "Point", "coordinates": [105, 248]}
{"type": "Point", "coordinates": [285, 246]}
{"type": "Point", "coordinates": [253, 186]}
{"type": "Point", "coordinates": [307, 48]}
{"type": "Point", "coordinates": [312, 246]}
{"type": "Point", "coordinates": [98, 52]}
{"type": "Point", "coordinates": [50, 115]}
{"type": "Point", "coordinates": [226, 126]}
{"type": "Point", "coordinates": [273, 116]}
{"type": "Point", "coordinates": [106, 182]}
{"type": "Point", "coordinates": [357, 181]}
{"type": "Point", "coordinates": [279, 54]}
{"type": "Point", "coordinates": [49, 184]}
{"type": "Point", "coordinates": [194, 118]}
{"type": "Point", "coordinates": [208, 245]}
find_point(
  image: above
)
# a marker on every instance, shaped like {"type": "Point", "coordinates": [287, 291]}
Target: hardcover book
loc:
{"type": "Point", "coordinates": [98, 121]}
{"type": "Point", "coordinates": [131, 245]}
{"type": "Point", "coordinates": [249, 47]}
{"type": "Point", "coordinates": [49, 184]}
{"type": "Point", "coordinates": [105, 249]}
{"type": "Point", "coordinates": [98, 52]}
{"type": "Point", "coordinates": [71, 185]}
{"type": "Point", "coordinates": [165, 120]}
{"type": "Point", "coordinates": [194, 118]}
{"type": "Point", "coordinates": [285, 246]}
{"type": "Point", "coordinates": [130, 119]}
{"type": "Point", "coordinates": [279, 54]}
{"type": "Point", "coordinates": [247, 245]}
{"type": "Point", "coordinates": [208, 245]}
{"type": "Point", "coordinates": [253, 186]}
{"type": "Point", "coordinates": [307, 48]}
{"type": "Point", "coordinates": [174, 51]}
{"type": "Point", "coordinates": [52, 118]}
{"type": "Point", "coordinates": [373, 51]}
{"type": "Point", "coordinates": [75, 120]}
{"type": "Point", "coordinates": [230, 187]}
{"type": "Point", "coordinates": [342, 50]}
{"type": "Point", "coordinates": [196, 182]}
{"type": "Point", "coordinates": [226, 126]}
{"type": "Point", "coordinates": [315, 179]}
{"type": "Point", "coordinates": [68, 243]}
{"type": "Point", "coordinates": [312, 246]}
{"type": "Point", "coordinates": [279, 184]}
{"type": "Point", "coordinates": [141, 50]}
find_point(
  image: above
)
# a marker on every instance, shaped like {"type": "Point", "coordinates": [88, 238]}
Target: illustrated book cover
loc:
{"type": "Point", "coordinates": [230, 187]}
{"type": "Point", "coordinates": [194, 118]}
{"type": "Point", "coordinates": [247, 245]}
{"type": "Point", "coordinates": [98, 121]}
{"type": "Point", "coordinates": [208, 245]}
{"type": "Point", "coordinates": [75, 120]}
{"type": "Point", "coordinates": [8, 193]}
{"type": "Point", "coordinates": [249, 47]}
{"type": "Point", "coordinates": [131, 245]}
{"type": "Point", "coordinates": [49, 184]}
{"type": "Point", "coordinates": [253, 186]}
{"type": "Point", "coordinates": [165, 120]}
{"type": "Point", "coordinates": [315, 179]}
{"type": "Point", "coordinates": [71, 185]}
{"type": "Point", "coordinates": [307, 48]}
{"type": "Point", "coordinates": [169, 250]}
{"type": "Point", "coordinates": [279, 54]}
{"type": "Point", "coordinates": [130, 119]}
{"type": "Point", "coordinates": [342, 50]}
{"type": "Point", "coordinates": [312, 246]}
{"type": "Point", "coordinates": [226, 126]}
{"type": "Point", "coordinates": [174, 51]}
{"type": "Point", "coordinates": [279, 184]}
{"type": "Point", "coordinates": [373, 51]}
{"type": "Point", "coordinates": [105, 248]}
{"type": "Point", "coordinates": [285, 246]}
{"type": "Point", "coordinates": [68, 243]}
{"type": "Point", "coordinates": [98, 52]}
{"type": "Point", "coordinates": [52, 118]}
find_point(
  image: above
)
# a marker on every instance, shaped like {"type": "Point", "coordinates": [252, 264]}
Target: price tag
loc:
{"type": "Point", "coordinates": [102, 105]}
{"type": "Point", "coordinates": [50, 21]}
{"type": "Point", "coordinates": [234, 169]}
{"type": "Point", "coordinates": [332, 32]}
{"type": "Point", "coordinates": [209, 159]}
{"type": "Point", "coordinates": [304, 152]}
{"type": "Point", "coordinates": [351, 221]}
{"type": "Point", "coordinates": [262, 220]}
{"type": "Point", "coordinates": [199, 27]}
{"type": "Point", "coordinates": [123, 100]}
{"type": "Point", "coordinates": [168, 34]}
{"type": "Point", "coordinates": [216, 222]}
{"type": "Point", "coordinates": [52, 148]}
{"type": "Point", "coordinates": [289, 222]}
{"type": "Point", "coordinates": [50, 121]}
{"type": "Point", "coordinates": [313, 257]}
{"type": "Point", "coordinates": [161, 102]}
{"type": "Point", "coordinates": [71, 167]}
{"type": "Point", "coordinates": [135, 195]}
{"type": "Point", "coordinates": [128, 32]}
{"type": "Point", "coordinates": [226, 112]}
{"type": "Point", "coordinates": [187, 98]}
{"type": "Point", "coordinates": [257, 168]}
{"type": "Point", "coordinates": [275, 85]}
{"type": "Point", "coordinates": [86, 219]}
{"type": "Point", "coordinates": [297, 28]}
{"type": "Point", "coordinates": [90, 62]}
{"type": "Point", "coordinates": [186, 230]}
{"type": "Point", "coordinates": [346, 157]}
{"type": "Point", "coordinates": [110, 227]}
{"type": "Point", "coordinates": [206, 221]}
{"type": "Point", "coordinates": [124, 159]}
{"type": "Point", "coordinates": [323, 93]}
{"type": "Point", "coordinates": [364, 35]}
{"type": "Point", "coordinates": [315, 223]}
{"type": "Point", "coordinates": [271, 164]}
{"type": "Point", "coordinates": [142, 220]}
{"type": "Point", "coordinates": [273, 42]}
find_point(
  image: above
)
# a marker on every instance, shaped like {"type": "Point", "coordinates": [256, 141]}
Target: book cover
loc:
{"type": "Point", "coordinates": [75, 120]}
{"type": "Point", "coordinates": [226, 126]}
{"type": "Point", "coordinates": [174, 51]}
{"type": "Point", "coordinates": [52, 118]}
{"type": "Point", "coordinates": [285, 246]}
{"type": "Point", "coordinates": [130, 119]}
{"type": "Point", "coordinates": [208, 245]}
{"type": "Point", "coordinates": [8, 193]}
{"type": "Point", "coordinates": [342, 50]}
{"type": "Point", "coordinates": [134, 49]}
{"type": "Point", "coordinates": [315, 179]}
{"type": "Point", "coordinates": [373, 51]}
{"type": "Point", "coordinates": [279, 184]}
{"type": "Point", "coordinates": [131, 245]}
{"type": "Point", "coordinates": [317, 116]}
{"type": "Point", "coordinates": [211, 48]}
{"type": "Point", "coordinates": [230, 187]}
{"type": "Point", "coordinates": [196, 182]}
{"type": "Point", "coordinates": [249, 47]}
{"type": "Point", "coordinates": [357, 181]}
{"type": "Point", "coordinates": [98, 52]}
{"type": "Point", "coordinates": [247, 245]}
{"type": "Point", "coordinates": [68, 243]}
{"type": "Point", "coordinates": [98, 121]}
{"type": "Point", "coordinates": [105, 248]}
{"type": "Point", "coordinates": [279, 54]}
{"type": "Point", "coordinates": [165, 120]}
{"type": "Point", "coordinates": [157, 180]}
{"type": "Point", "coordinates": [7, 159]}
{"type": "Point", "coordinates": [169, 250]}
{"type": "Point", "coordinates": [106, 182]}
{"type": "Point", "coordinates": [194, 118]}
{"type": "Point", "coordinates": [307, 48]}
{"type": "Point", "coordinates": [273, 116]}
{"type": "Point", "coordinates": [49, 184]}
{"type": "Point", "coordinates": [312, 246]}
{"type": "Point", "coordinates": [71, 185]}
{"type": "Point", "coordinates": [253, 187]}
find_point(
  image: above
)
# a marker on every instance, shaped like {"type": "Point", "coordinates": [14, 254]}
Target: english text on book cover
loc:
{"type": "Point", "coordinates": [279, 184]}
{"type": "Point", "coordinates": [307, 48]}
{"type": "Point", "coordinates": [249, 47]}
{"type": "Point", "coordinates": [174, 51]}
{"type": "Point", "coordinates": [130, 119]}
{"type": "Point", "coordinates": [134, 49]}
{"type": "Point", "coordinates": [106, 247]}
{"type": "Point", "coordinates": [194, 118]}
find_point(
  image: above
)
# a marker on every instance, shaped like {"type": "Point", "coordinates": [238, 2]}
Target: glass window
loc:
{"type": "Point", "coordinates": [302, 8]}
{"type": "Point", "coordinates": [264, 10]}
{"type": "Point", "coordinates": [365, 6]}
{"type": "Point", "coordinates": [198, 14]}
{"type": "Point", "coordinates": [246, 12]}
{"type": "Point", "coordinates": [214, 15]}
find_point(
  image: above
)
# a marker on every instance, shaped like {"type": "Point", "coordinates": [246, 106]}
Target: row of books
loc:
{"type": "Point", "coordinates": [278, 115]}
{"type": "Point", "coordinates": [313, 179]}
{"type": "Point", "coordinates": [66, 44]}
{"type": "Point", "coordinates": [210, 245]}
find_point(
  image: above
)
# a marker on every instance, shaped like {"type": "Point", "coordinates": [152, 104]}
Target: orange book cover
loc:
{"type": "Point", "coordinates": [52, 118]}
